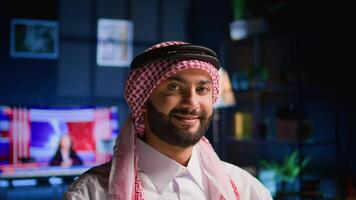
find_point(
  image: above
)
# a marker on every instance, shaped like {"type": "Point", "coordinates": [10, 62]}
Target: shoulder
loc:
{"type": "Point", "coordinates": [92, 184]}
{"type": "Point", "coordinates": [248, 186]}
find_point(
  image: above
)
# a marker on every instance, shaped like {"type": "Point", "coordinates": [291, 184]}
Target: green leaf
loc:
{"type": "Point", "coordinates": [289, 169]}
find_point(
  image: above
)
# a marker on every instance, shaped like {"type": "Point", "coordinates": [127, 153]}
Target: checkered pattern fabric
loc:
{"type": "Point", "coordinates": [124, 180]}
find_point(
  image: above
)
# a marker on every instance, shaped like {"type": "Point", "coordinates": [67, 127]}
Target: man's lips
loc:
{"type": "Point", "coordinates": [186, 118]}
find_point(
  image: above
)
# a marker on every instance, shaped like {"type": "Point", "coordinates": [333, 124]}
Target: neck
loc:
{"type": "Point", "coordinates": [65, 150]}
{"type": "Point", "coordinates": [179, 154]}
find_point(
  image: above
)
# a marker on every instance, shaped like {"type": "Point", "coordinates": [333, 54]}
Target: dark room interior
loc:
{"type": "Point", "coordinates": [290, 75]}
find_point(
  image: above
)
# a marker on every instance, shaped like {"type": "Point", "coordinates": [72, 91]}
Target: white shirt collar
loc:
{"type": "Point", "coordinates": [151, 161]}
{"type": "Point", "coordinates": [195, 169]}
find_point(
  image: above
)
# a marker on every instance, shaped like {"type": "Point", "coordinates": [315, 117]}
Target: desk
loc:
{"type": "Point", "coordinates": [31, 182]}
{"type": "Point", "coordinates": [43, 172]}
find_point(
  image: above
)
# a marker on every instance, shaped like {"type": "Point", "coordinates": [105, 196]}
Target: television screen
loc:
{"type": "Point", "coordinates": [5, 113]}
{"type": "Point", "coordinates": [31, 136]}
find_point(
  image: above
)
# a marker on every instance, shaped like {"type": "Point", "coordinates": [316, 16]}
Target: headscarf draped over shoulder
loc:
{"type": "Point", "coordinates": [148, 70]}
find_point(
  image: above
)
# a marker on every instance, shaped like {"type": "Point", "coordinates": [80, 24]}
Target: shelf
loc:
{"type": "Point", "coordinates": [268, 73]}
{"type": "Point", "coordinates": [281, 142]}
{"type": "Point", "coordinates": [258, 141]}
{"type": "Point", "coordinates": [320, 143]}
{"type": "Point", "coordinates": [275, 88]}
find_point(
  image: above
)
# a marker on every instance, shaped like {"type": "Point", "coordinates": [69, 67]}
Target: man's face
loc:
{"type": "Point", "coordinates": [179, 111]}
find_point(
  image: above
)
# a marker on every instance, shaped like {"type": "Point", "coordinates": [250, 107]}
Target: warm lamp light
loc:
{"type": "Point", "coordinates": [226, 96]}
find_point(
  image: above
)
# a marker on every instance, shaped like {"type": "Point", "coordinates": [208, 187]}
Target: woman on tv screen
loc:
{"type": "Point", "coordinates": [65, 155]}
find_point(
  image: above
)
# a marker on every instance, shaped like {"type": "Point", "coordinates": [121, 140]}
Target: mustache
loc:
{"type": "Point", "coordinates": [184, 111]}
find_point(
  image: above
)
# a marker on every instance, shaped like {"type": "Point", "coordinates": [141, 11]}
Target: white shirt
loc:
{"type": "Point", "coordinates": [174, 181]}
{"type": "Point", "coordinates": [65, 156]}
{"type": "Point", "coordinates": [93, 184]}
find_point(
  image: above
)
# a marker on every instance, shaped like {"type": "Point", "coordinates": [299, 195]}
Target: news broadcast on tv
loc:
{"type": "Point", "coordinates": [32, 137]}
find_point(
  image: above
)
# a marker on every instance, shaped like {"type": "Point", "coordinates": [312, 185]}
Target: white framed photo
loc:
{"type": "Point", "coordinates": [114, 47]}
{"type": "Point", "coordinates": [31, 38]}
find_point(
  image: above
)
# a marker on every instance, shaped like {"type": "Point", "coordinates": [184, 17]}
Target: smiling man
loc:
{"type": "Point", "coordinates": [162, 152]}
{"type": "Point", "coordinates": [184, 109]}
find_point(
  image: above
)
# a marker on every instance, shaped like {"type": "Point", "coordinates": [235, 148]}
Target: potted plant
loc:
{"type": "Point", "coordinates": [286, 172]}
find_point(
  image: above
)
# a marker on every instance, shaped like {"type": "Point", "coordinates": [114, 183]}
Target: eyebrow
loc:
{"type": "Point", "coordinates": [182, 80]}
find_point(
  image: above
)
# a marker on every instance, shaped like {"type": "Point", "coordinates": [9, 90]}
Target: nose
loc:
{"type": "Point", "coordinates": [190, 99]}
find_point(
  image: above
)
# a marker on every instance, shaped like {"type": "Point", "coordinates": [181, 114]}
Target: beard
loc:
{"type": "Point", "coordinates": [161, 125]}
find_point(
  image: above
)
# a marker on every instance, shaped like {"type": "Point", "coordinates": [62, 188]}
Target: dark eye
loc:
{"type": "Point", "coordinates": [203, 89]}
{"type": "Point", "coordinates": [174, 87]}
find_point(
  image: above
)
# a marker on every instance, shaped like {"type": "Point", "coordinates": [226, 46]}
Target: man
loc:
{"type": "Point", "coordinates": [161, 152]}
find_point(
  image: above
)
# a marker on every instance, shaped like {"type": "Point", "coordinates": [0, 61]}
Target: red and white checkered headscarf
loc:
{"type": "Point", "coordinates": [141, 82]}
{"type": "Point", "coordinates": [124, 181]}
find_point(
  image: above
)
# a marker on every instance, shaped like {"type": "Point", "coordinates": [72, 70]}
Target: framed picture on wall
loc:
{"type": "Point", "coordinates": [114, 47]}
{"type": "Point", "coordinates": [31, 38]}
